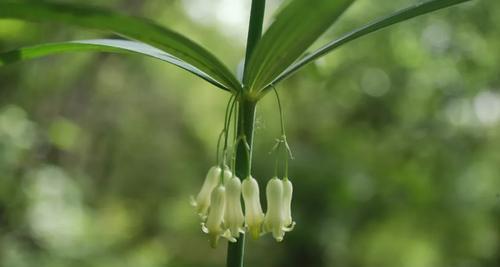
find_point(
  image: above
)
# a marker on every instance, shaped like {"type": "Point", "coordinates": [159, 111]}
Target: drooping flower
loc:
{"type": "Point", "coordinates": [214, 225]}
{"type": "Point", "coordinates": [274, 221]}
{"type": "Point", "coordinates": [253, 210]}
{"type": "Point", "coordinates": [202, 201]}
{"type": "Point", "coordinates": [233, 217]}
{"type": "Point", "coordinates": [287, 202]}
{"type": "Point", "coordinates": [278, 218]}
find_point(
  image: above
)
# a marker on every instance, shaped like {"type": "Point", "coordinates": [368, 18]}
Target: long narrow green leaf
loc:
{"type": "Point", "coordinates": [101, 45]}
{"type": "Point", "coordinates": [296, 27]}
{"type": "Point", "coordinates": [254, 27]}
{"type": "Point", "coordinates": [131, 27]}
{"type": "Point", "coordinates": [399, 16]}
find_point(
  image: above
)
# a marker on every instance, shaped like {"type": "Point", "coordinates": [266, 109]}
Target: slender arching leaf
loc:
{"type": "Point", "coordinates": [132, 27]}
{"type": "Point", "coordinates": [296, 27]}
{"type": "Point", "coordinates": [101, 45]}
{"type": "Point", "coordinates": [255, 27]}
{"type": "Point", "coordinates": [399, 16]}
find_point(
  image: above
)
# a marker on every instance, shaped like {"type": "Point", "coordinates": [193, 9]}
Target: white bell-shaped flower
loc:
{"type": "Point", "coordinates": [214, 225]}
{"type": "Point", "coordinates": [233, 217]}
{"type": "Point", "coordinates": [274, 221]}
{"type": "Point", "coordinates": [202, 201]}
{"type": "Point", "coordinates": [287, 202]}
{"type": "Point", "coordinates": [253, 210]}
{"type": "Point", "coordinates": [278, 218]}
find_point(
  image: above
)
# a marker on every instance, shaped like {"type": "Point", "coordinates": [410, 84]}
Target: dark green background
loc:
{"type": "Point", "coordinates": [396, 141]}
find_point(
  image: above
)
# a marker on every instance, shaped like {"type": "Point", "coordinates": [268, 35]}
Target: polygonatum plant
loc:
{"type": "Point", "coordinates": [270, 57]}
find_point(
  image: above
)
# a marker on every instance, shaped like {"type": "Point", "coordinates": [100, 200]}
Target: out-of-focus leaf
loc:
{"type": "Point", "coordinates": [140, 29]}
{"type": "Point", "coordinates": [399, 16]}
{"type": "Point", "coordinates": [101, 45]}
{"type": "Point", "coordinates": [296, 27]}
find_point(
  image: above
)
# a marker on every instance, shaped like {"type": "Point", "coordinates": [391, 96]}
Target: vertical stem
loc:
{"type": "Point", "coordinates": [245, 124]}
{"type": "Point", "coordinates": [246, 121]}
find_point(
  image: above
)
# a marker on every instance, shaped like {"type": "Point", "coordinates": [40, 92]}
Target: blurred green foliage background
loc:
{"type": "Point", "coordinates": [396, 139]}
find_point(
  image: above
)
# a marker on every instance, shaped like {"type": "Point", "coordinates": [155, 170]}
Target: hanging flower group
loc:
{"type": "Point", "coordinates": [219, 202]}
{"type": "Point", "coordinates": [219, 206]}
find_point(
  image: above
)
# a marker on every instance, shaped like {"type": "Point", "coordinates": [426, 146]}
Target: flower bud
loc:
{"type": "Point", "coordinates": [287, 202]}
{"type": "Point", "coordinates": [203, 199]}
{"type": "Point", "coordinates": [253, 211]}
{"type": "Point", "coordinates": [233, 217]}
{"type": "Point", "coordinates": [274, 220]}
{"type": "Point", "coordinates": [226, 175]}
{"type": "Point", "coordinates": [213, 226]}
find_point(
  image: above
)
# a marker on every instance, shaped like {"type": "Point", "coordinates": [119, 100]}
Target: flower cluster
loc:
{"type": "Point", "coordinates": [219, 201]}
{"type": "Point", "coordinates": [219, 206]}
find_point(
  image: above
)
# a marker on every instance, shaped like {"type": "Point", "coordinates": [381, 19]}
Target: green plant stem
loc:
{"type": "Point", "coordinates": [245, 125]}
{"type": "Point", "coordinates": [246, 121]}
